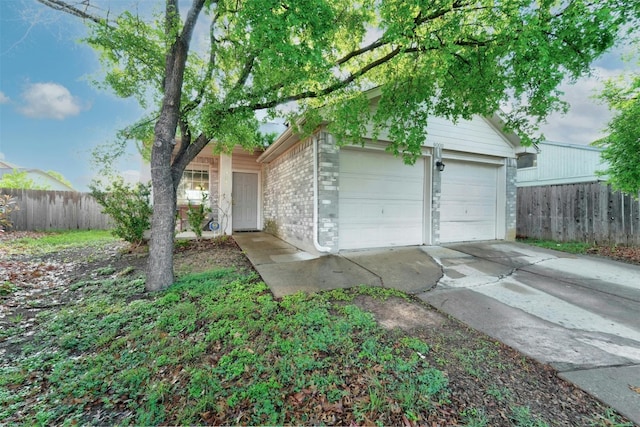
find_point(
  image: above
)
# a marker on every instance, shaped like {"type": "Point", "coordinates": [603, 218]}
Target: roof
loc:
{"type": "Point", "coordinates": [6, 165]}
{"type": "Point", "coordinates": [569, 145]}
{"type": "Point", "coordinates": [41, 177]}
{"type": "Point", "coordinates": [289, 137]}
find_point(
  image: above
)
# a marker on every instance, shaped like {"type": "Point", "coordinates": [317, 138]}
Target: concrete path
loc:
{"type": "Point", "coordinates": [287, 269]}
{"type": "Point", "coordinates": [578, 314]}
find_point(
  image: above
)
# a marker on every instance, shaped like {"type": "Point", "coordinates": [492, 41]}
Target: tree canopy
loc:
{"type": "Point", "coordinates": [206, 72]}
{"type": "Point", "coordinates": [20, 179]}
{"type": "Point", "coordinates": [60, 177]}
{"type": "Point", "coordinates": [621, 147]}
{"type": "Point", "coordinates": [455, 58]}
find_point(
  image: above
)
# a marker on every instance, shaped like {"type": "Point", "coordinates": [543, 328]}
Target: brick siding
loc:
{"type": "Point", "coordinates": [328, 191]}
{"type": "Point", "coordinates": [288, 195]}
{"type": "Point", "coordinates": [512, 194]}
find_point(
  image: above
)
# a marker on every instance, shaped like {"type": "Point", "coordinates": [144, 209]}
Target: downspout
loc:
{"type": "Point", "coordinates": [316, 243]}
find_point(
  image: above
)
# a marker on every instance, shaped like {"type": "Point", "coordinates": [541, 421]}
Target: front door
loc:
{"type": "Point", "coordinates": [245, 201]}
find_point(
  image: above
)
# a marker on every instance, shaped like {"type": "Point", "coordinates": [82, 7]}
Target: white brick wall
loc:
{"type": "Point", "coordinates": [288, 194]}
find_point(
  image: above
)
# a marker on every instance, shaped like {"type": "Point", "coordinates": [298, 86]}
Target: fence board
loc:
{"type": "Point", "coordinates": [43, 210]}
{"type": "Point", "coordinates": [586, 212]}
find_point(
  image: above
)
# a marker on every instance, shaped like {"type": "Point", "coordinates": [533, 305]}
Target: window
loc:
{"type": "Point", "coordinates": [193, 186]}
{"type": "Point", "coordinates": [527, 160]}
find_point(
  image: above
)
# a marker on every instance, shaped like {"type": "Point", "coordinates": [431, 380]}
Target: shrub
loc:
{"type": "Point", "coordinates": [129, 206]}
{"type": "Point", "coordinates": [197, 214]}
{"type": "Point", "coordinates": [7, 205]}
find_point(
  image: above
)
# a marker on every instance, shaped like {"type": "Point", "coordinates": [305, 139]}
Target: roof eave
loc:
{"type": "Point", "coordinates": [498, 124]}
{"type": "Point", "coordinates": [286, 140]}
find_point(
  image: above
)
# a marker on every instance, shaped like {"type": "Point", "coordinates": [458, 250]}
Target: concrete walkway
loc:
{"type": "Point", "coordinates": [287, 269]}
{"type": "Point", "coordinates": [579, 314]}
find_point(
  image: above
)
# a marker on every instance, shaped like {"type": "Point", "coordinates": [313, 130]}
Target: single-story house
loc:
{"type": "Point", "coordinates": [325, 198]}
{"type": "Point", "coordinates": [553, 163]}
{"type": "Point", "coordinates": [39, 177]}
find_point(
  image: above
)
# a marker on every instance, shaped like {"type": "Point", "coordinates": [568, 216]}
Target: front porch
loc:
{"type": "Point", "coordinates": [229, 184]}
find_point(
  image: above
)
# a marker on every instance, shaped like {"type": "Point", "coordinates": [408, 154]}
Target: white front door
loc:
{"type": "Point", "coordinates": [468, 202]}
{"type": "Point", "coordinates": [381, 200]}
{"type": "Point", "coordinates": [245, 201]}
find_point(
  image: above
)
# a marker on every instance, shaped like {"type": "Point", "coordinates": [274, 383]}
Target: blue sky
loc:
{"type": "Point", "coordinates": [51, 117]}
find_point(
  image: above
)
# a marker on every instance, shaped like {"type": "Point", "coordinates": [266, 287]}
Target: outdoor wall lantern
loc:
{"type": "Point", "coordinates": [440, 165]}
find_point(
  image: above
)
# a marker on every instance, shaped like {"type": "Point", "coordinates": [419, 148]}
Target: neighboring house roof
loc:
{"type": "Point", "coordinates": [36, 175]}
{"type": "Point", "coordinates": [561, 163]}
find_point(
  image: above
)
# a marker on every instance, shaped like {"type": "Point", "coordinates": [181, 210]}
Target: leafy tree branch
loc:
{"type": "Point", "coordinates": [621, 147]}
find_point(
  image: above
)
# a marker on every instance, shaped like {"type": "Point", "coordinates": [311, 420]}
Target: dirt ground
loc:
{"type": "Point", "coordinates": [42, 282]}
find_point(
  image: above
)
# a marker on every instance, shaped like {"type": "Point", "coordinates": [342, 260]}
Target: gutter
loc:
{"type": "Point", "coordinates": [316, 243]}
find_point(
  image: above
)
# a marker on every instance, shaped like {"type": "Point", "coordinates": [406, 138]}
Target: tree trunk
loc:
{"type": "Point", "coordinates": [164, 182]}
{"type": "Point", "coordinates": [160, 267]}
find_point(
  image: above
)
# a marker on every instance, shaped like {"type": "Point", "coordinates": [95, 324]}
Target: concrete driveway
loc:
{"type": "Point", "coordinates": [579, 314]}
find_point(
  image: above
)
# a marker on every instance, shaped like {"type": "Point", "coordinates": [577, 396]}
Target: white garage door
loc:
{"type": "Point", "coordinates": [381, 200]}
{"type": "Point", "coordinates": [468, 201]}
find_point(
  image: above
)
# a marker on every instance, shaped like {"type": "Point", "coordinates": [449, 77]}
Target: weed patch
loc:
{"type": "Point", "coordinates": [55, 241]}
{"type": "Point", "coordinates": [212, 345]}
{"type": "Point", "coordinates": [571, 247]}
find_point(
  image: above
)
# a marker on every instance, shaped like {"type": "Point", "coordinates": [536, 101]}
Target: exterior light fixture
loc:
{"type": "Point", "coordinates": [440, 165]}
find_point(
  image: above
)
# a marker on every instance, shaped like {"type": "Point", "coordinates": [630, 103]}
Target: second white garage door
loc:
{"type": "Point", "coordinates": [381, 200]}
{"type": "Point", "coordinates": [468, 203]}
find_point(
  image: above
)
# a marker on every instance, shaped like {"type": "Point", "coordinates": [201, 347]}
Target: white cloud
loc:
{"type": "Point", "coordinates": [49, 101]}
{"type": "Point", "coordinates": [3, 98]}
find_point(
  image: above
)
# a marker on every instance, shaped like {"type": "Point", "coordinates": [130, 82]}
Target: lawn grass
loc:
{"type": "Point", "coordinates": [571, 247]}
{"type": "Point", "coordinates": [217, 348]}
{"type": "Point", "coordinates": [214, 343]}
{"type": "Point", "coordinates": [52, 241]}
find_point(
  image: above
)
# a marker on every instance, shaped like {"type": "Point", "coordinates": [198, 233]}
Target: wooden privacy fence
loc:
{"type": "Point", "coordinates": [586, 212]}
{"type": "Point", "coordinates": [43, 210]}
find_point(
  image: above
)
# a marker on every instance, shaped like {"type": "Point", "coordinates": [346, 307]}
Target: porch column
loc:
{"type": "Point", "coordinates": [225, 202]}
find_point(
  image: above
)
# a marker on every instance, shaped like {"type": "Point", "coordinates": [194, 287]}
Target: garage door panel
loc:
{"type": "Point", "coordinates": [404, 211]}
{"type": "Point", "coordinates": [468, 202]}
{"type": "Point", "coordinates": [354, 186]}
{"type": "Point", "coordinates": [371, 237]}
{"type": "Point", "coordinates": [381, 200]}
{"type": "Point", "coordinates": [461, 211]}
{"type": "Point", "coordinates": [370, 162]}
